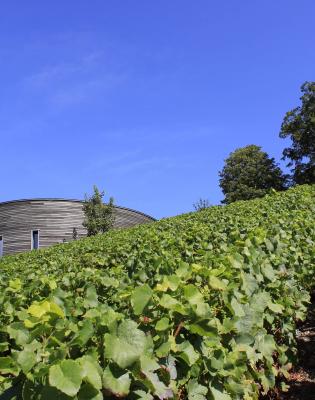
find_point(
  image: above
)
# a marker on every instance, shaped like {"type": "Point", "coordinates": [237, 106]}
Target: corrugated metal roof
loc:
{"type": "Point", "coordinates": [74, 201]}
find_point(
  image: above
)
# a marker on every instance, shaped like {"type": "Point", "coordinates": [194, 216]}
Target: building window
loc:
{"type": "Point", "coordinates": [1, 245]}
{"type": "Point", "coordinates": [35, 240]}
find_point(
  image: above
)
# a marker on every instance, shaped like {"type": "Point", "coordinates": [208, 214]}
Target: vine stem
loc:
{"type": "Point", "coordinates": [180, 325]}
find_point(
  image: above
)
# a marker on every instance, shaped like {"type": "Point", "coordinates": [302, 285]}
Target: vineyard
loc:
{"type": "Point", "coordinates": [200, 306]}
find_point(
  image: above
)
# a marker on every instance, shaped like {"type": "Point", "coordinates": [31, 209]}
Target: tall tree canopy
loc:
{"type": "Point", "coordinates": [99, 217]}
{"type": "Point", "coordinates": [248, 173]}
{"type": "Point", "coordinates": [299, 126]}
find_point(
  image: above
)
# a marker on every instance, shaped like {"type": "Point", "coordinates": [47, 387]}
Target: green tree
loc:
{"type": "Point", "coordinates": [201, 204]}
{"type": "Point", "coordinates": [74, 234]}
{"type": "Point", "coordinates": [299, 126]}
{"type": "Point", "coordinates": [99, 217]}
{"type": "Point", "coordinates": [249, 173]}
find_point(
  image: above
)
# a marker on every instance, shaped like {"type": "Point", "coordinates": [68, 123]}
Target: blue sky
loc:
{"type": "Point", "coordinates": [144, 98]}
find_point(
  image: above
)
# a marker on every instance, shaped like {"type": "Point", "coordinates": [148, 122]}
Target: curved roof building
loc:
{"type": "Point", "coordinates": [36, 223]}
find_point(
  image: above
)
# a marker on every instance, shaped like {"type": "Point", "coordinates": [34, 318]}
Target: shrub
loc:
{"type": "Point", "coordinates": [198, 306]}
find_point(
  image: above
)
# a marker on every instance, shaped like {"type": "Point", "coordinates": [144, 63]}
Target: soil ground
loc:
{"type": "Point", "coordinates": [302, 378]}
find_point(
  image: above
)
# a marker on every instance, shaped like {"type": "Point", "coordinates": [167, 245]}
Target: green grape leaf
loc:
{"type": "Point", "coordinates": [66, 376]}
{"type": "Point", "coordinates": [168, 302]}
{"type": "Point", "coordinates": [162, 324]}
{"type": "Point", "coordinates": [160, 389]}
{"type": "Point", "coordinates": [192, 295]}
{"type": "Point", "coordinates": [275, 307]}
{"type": "Point", "coordinates": [84, 334]}
{"type": "Point", "coordinates": [187, 353]}
{"type": "Point", "coordinates": [88, 392]}
{"type": "Point", "coordinates": [268, 272]}
{"type": "Point", "coordinates": [127, 346]}
{"type": "Point", "coordinates": [216, 283]}
{"type": "Point", "coordinates": [266, 345]}
{"type": "Point", "coordinates": [38, 310]}
{"type": "Point", "coordinates": [90, 371]}
{"type": "Point", "coordinates": [26, 359]}
{"type": "Point", "coordinates": [169, 282]}
{"type": "Point", "coordinates": [18, 332]}
{"type": "Point", "coordinates": [15, 284]}
{"type": "Point", "coordinates": [237, 308]}
{"type": "Point", "coordinates": [219, 395]}
{"type": "Point", "coordinates": [140, 298]}
{"type": "Point", "coordinates": [91, 298]}
{"type": "Point", "coordinates": [196, 391]}
{"type": "Point", "coordinates": [148, 364]}
{"type": "Point", "coordinates": [118, 385]}
{"type": "Point", "coordinates": [8, 366]}
{"type": "Point", "coordinates": [141, 395]}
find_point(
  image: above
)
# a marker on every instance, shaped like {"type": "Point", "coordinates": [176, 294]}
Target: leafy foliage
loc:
{"type": "Point", "coordinates": [99, 217]}
{"type": "Point", "coordinates": [299, 126]}
{"type": "Point", "coordinates": [201, 306]}
{"type": "Point", "coordinates": [249, 173]}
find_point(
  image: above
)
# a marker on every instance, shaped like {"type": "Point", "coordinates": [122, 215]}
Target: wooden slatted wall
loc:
{"type": "Point", "coordinates": [54, 218]}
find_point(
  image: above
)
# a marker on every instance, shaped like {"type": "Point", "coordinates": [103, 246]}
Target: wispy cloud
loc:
{"type": "Point", "coordinates": [145, 164]}
{"type": "Point", "coordinates": [179, 134]}
{"type": "Point", "coordinates": [68, 83]}
{"type": "Point", "coordinates": [130, 161]}
{"type": "Point", "coordinates": [51, 74]}
{"type": "Point", "coordinates": [112, 161]}
{"type": "Point", "coordinates": [84, 90]}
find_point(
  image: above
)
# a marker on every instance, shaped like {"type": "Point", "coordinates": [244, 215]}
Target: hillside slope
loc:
{"type": "Point", "coordinates": [198, 306]}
